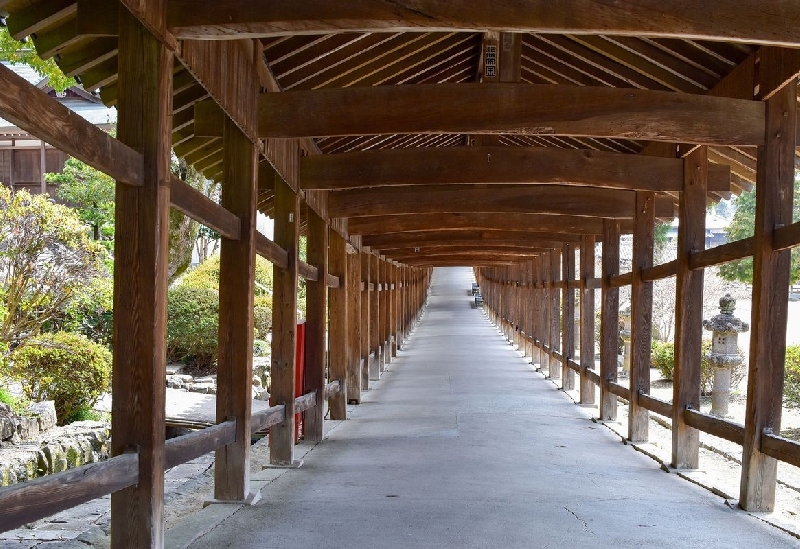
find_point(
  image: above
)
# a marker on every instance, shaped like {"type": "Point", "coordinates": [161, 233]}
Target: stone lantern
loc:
{"type": "Point", "coordinates": [625, 316]}
{"type": "Point", "coordinates": [724, 356]}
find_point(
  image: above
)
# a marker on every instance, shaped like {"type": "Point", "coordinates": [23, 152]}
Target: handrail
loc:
{"type": "Point", "coordinates": [188, 447]}
{"type": "Point", "coordinates": [67, 489]}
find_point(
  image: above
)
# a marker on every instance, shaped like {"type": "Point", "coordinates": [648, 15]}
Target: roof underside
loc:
{"type": "Point", "coordinates": [359, 59]}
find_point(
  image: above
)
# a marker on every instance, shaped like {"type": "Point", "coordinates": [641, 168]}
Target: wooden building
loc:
{"type": "Point", "coordinates": [402, 136]}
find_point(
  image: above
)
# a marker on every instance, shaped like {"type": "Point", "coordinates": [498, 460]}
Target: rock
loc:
{"type": "Point", "coordinates": [205, 388]}
{"type": "Point", "coordinates": [8, 428]}
{"type": "Point", "coordinates": [45, 412]}
{"type": "Point", "coordinates": [28, 427]}
{"type": "Point", "coordinates": [174, 382]}
{"type": "Point", "coordinates": [257, 381]}
{"type": "Point", "coordinates": [95, 537]}
{"type": "Point", "coordinates": [186, 378]}
{"type": "Point", "coordinates": [262, 367]}
{"type": "Point", "coordinates": [260, 394]}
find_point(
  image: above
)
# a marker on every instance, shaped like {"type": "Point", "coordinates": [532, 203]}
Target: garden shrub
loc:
{"type": "Point", "coordinates": [64, 367]}
{"type": "Point", "coordinates": [791, 384]}
{"type": "Point", "coordinates": [662, 357]}
{"type": "Point", "coordinates": [260, 348]}
{"type": "Point", "coordinates": [262, 316]}
{"type": "Point", "coordinates": [192, 324]}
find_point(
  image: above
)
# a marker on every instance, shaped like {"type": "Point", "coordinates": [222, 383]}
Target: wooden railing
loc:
{"type": "Point", "coordinates": [60, 491]}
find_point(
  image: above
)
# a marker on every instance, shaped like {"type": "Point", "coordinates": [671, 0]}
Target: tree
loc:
{"type": "Point", "coordinates": [743, 225]}
{"type": "Point", "coordinates": [46, 256]}
{"type": "Point", "coordinates": [17, 52]}
{"type": "Point", "coordinates": [92, 193]}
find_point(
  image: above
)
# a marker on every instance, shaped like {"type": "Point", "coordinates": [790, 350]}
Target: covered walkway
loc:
{"type": "Point", "coordinates": [461, 444]}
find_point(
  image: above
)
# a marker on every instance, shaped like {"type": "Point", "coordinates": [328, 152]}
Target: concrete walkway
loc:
{"type": "Point", "coordinates": [462, 444]}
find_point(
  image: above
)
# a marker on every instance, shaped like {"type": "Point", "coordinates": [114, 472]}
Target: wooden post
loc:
{"type": "Point", "coordinates": [316, 323]}
{"type": "Point", "coordinates": [375, 343]}
{"type": "Point", "coordinates": [384, 318]}
{"type": "Point", "coordinates": [236, 287]}
{"type": "Point", "coordinates": [536, 315]}
{"type": "Point", "coordinates": [689, 310]}
{"type": "Point", "coordinates": [284, 323]}
{"type": "Point", "coordinates": [609, 321]}
{"type": "Point", "coordinates": [555, 312]}
{"type": "Point", "coordinates": [545, 310]}
{"type": "Point", "coordinates": [355, 327]}
{"type": "Point", "coordinates": [368, 318]}
{"type": "Point", "coordinates": [140, 285]}
{"type": "Point", "coordinates": [397, 325]}
{"type": "Point", "coordinates": [775, 180]}
{"type": "Point", "coordinates": [641, 315]}
{"type": "Point", "coordinates": [587, 319]}
{"type": "Point", "coordinates": [339, 350]}
{"type": "Point", "coordinates": [568, 336]}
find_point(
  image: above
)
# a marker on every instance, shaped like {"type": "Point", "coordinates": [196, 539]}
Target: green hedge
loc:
{"type": "Point", "coordinates": [64, 367]}
{"type": "Point", "coordinates": [192, 325]}
{"type": "Point", "coordinates": [791, 385]}
{"type": "Point", "coordinates": [662, 357]}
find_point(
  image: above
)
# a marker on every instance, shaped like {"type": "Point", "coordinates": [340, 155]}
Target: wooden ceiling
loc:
{"type": "Point", "coordinates": [419, 175]}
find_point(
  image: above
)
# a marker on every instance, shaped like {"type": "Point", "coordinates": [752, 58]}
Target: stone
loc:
{"type": "Point", "coordinates": [257, 382]}
{"type": "Point", "coordinates": [8, 428]}
{"type": "Point", "coordinates": [205, 388]}
{"type": "Point", "coordinates": [95, 537]}
{"type": "Point", "coordinates": [174, 382]}
{"type": "Point", "coordinates": [28, 427]}
{"type": "Point", "coordinates": [45, 412]}
{"type": "Point", "coordinates": [260, 394]}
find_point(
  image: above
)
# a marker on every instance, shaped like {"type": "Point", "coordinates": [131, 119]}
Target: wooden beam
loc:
{"type": "Point", "coordinates": [52, 122]}
{"type": "Point", "coordinates": [445, 245]}
{"type": "Point", "coordinates": [496, 165]}
{"type": "Point", "coordinates": [284, 323]}
{"type": "Point", "coordinates": [199, 207]}
{"type": "Point", "coordinates": [448, 237]}
{"type": "Point", "coordinates": [140, 284]}
{"type": "Point", "coordinates": [689, 312]}
{"type": "Point", "coordinates": [744, 21]}
{"type": "Point", "coordinates": [236, 290]}
{"type": "Point", "coordinates": [523, 109]}
{"type": "Point", "coordinates": [555, 224]}
{"type": "Point", "coordinates": [548, 199]}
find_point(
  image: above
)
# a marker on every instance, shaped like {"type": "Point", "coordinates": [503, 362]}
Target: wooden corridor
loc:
{"type": "Point", "coordinates": [400, 136]}
{"type": "Point", "coordinates": [463, 445]}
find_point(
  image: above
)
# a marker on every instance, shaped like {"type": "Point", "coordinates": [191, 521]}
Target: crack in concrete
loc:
{"type": "Point", "coordinates": [585, 525]}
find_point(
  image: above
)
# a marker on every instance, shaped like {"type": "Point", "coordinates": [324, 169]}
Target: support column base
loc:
{"type": "Point", "coordinates": [251, 499]}
{"type": "Point", "coordinates": [293, 465]}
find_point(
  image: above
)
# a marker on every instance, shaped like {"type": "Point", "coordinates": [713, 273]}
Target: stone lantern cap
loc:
{"type": "Point", "coordinates": [725, 322]}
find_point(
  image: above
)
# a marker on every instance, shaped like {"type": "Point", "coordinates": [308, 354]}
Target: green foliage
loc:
{"type": "Point", "coordinates": [17, 52]}
{"type": "Point", "coordinates": [18, 404]}
{"type": "Point", "coordinates": [260, 347]}
{"type": "Point", "coordinates": [791, 383]}
{"type": "Point", "coordinates": [66, 368]}
{"type": "Point", "coordinates": [91, 193]}
{"type": "Point", "coordinates": [193, 324]}
{"type": "Point", "coordinates": [86, 413]}
{"type": "Point", "coordinates": [193, 312]}
{"type": "Point", "coordinates": [662, 357]}
{"type": "Point", "coordinates": [742, 226]}
{"type": "Point", "coordinates": [46, 257]}
{"type": "Point", "coordinates": [90, 311]}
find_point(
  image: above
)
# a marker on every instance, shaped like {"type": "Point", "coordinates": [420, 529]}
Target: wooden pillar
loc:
{"type": "Point", "coordinates": [587, 318]}
{"type": "Point", "coordinates": [386, 352]}
{"type": "Point", "coordinates": [641, 315]}
{"type": "Point", "coordinates": [775, 180]}
{"type": "Point", "coordinates": [536, 304]}
{"type": "Point", "coordinates": [545, 310]}
{"type": "Point", "coordinates": [339, 350]}
{"type": "Point", "coordinates": [284, 323]}
{"type": "Point", "coordinates": [236, 287]}
{"type": "Point", "coordinates": [140, 285]}
{"type": "Point", "coordinates": [375, 343]}
{"type": "Point", "coordinates": [555, 312]}
{"type": "Point", "coordinates": [689, 310]}
{"type": "Point", "coordinates": [568, 336]}
{"type": "Point", "coordinates": [609, 320]}
{"type": "Point", "coordinates": [355, 327]}
{"type": "Point", "coordinates": [397, 325]}
{"type": "Point", "coordinates": [366, 320]}
{"type": "Point", "coordinates": [316, 324]}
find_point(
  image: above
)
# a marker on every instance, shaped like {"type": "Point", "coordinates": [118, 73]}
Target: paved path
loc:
{"type": "Point", "coordinates": [462, 445]}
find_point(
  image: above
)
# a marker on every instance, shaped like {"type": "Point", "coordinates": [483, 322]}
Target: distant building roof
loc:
{"type": "Point", "coordinates": [82, 104]}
